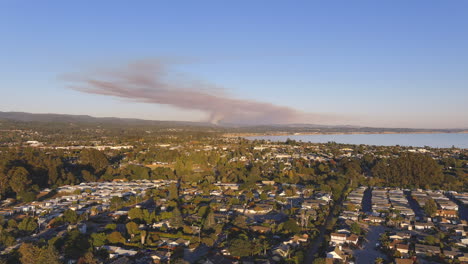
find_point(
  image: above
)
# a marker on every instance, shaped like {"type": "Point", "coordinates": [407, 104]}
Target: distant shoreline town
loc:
{"type": "Point", "coordinates": [336, 133]}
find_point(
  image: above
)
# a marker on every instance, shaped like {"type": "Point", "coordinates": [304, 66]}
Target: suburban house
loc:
{"type": "Point", "coordinates": [425, 250]}
{"type": "Point", "coordinates": [447, 213]}
{"type": "Point", "coordinates": [423, 226]}
{"type": "Point", "coordinates": [402, 248]}
{"type": "Point", "coordinates": [336, 253]}
{"type": "Point", "coordinates": [352, 239]}
{"type": "Point", "coordinates": [338, 238]}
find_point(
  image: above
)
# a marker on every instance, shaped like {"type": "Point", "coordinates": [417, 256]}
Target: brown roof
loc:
{"type": "Point", "coordinates": [403, 261]}
{"type": "Point", "coordinates": [402, 246]}
{"type": "Point", "coordinates": [446, 212]}
{"type": "Point", "coordinates": [352, 237]}
{"type": "Point", "coordinates": [338, 235]}
{"type": "Point", "coordinates": [395, 242]}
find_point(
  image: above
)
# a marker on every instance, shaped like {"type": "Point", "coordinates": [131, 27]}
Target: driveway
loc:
{"type": "Point", "coordinates": [369, 253]}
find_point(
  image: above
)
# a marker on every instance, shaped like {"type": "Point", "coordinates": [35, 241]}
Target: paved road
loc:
{"type": "Point", "coordinates": [367, 201]}
{"type": "Point", "coordinates": [44, 234]}
{"type": "Point", "coordinates": [369, 253]}
{"type": "Point", "coordinates": [193, 256]}
{"type": "Point", "coordinates": [319, 240]}
{"type": "Point", "coordinates": [415, 206]}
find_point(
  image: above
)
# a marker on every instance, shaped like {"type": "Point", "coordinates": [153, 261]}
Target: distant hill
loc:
{"type": "Point", "coordinates": [63, 118]}
{"type": "Point", "coordinates": [234, 128]}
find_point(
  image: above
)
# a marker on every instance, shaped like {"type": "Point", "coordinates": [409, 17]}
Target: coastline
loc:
{"type": "Point", "coordinates": [252, 134]}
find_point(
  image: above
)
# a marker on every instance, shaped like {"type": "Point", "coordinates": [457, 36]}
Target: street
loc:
{"type": "Point", "coordinates": [320, 239]}
{"type": "Point", "coordinates": [369, 253]}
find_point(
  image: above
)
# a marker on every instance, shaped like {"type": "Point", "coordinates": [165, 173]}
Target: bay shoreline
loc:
{"type": "Point", "coordinates": [253, 134]}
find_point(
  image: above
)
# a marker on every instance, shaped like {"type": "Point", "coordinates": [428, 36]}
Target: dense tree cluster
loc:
{"type": "Point", "coordinates": [32, 254]}
{"type": "Point", "coordinates": [409, 169]}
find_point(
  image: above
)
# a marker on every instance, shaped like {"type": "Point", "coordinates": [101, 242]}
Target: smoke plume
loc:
{"type": "Point", "coordinates": [154, 83]}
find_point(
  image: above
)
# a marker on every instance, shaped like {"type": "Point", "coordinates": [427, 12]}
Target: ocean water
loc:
{"type": "Point", "coordinates": [439, 140]}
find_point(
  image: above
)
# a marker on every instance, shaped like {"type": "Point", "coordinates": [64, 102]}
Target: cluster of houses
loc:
{"type": "Point", "coordinates": [461, 197]}
{"type": "Point", "coordinates": [261, 211]}
{"type": "Point", "coordinates": [343, 241]}
{"type": "Point", "coordinates": [389, 202]}
{"type": "Point", "coordinates": [353, 204]}
{"type": "Point", "coordinates": [90, 198]}
{"type": "Point", "coordinates": [446, 207]}
{"type": "Point", "coordinates": [410, 236]}
{"type": "Point", "coordinates": [413, 236]}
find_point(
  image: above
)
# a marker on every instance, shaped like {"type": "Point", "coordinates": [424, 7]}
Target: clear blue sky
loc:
{"type": "Point", "coordinates": [376, 63]}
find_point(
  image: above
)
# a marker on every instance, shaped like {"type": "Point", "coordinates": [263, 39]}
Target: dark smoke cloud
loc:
{"type": "Point", "coordinates": [152, 82]}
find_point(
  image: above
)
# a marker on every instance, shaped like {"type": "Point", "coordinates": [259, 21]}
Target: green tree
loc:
{"type": "Point", "coordinates": [75, 244]}
{"type": "Point", "coordinates": [149, 217]}
{"type": "Point", "coordinates": [355, 228]}
{"type": "Point", "coordinates": [173, 192]}
{"type": "Point", "coordinates": [88, 176]}
{"type": "Point", "coordinates": [19, 179]}
{"type": "Point", "coordinates": [209, 219]}
{"type": "Point", "coordinates": [6, 239]}
{"type": "Point", "coordinates": [70, 216]}
{"type": "Point", "coordinates": [12, 224]}
{"type": "Point", "coordinates": [28, 224]}
{"type": "Point", "coordinates": [240, 247]}
{"type": "Point", "coordinates": [136, 172]}
{"type": "Point", "coordinates": [28, 253]}
{"type": "Point", "coordinates": [115, 238]}
{"type": "Point", "coordinates": [431, 240]}
{"type": "Point", "coordinates": [409, 169]}
{"type": "Point", "coordinates": [132, 228]}
{"type": "Point", "coordinates": [88, 258]}
{"type": "Point", "coordinates": [176, 220]}
{"type": "Point", "coordinates": [28, 196]}
{"type": "Point", "coordinates": [31, 254]}
{"type": "Point", "coordinates": [49, 255]}
{"type": "Point", "coordinates": [291, 226]}
{"type": "Point", "coordinates": [111, 226]}
{"type": "Point", "coordinates": [183, 166]}
{"type": "Point", "coordinates": [430, 208]}
{"type": "Point", "coordinates": [95, 159]}
{"type": "Point", "coordinates": [98, 239]}
{"type": "Point", "coordinates": [240, 221]}
{"type": "Point", "coordinates": [135, 213]}
{"type": "Point", "coordinates": [4, 184]}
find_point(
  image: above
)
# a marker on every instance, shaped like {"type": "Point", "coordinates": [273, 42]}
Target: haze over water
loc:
{"type": "Point", "coordinates": [441, 140]}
